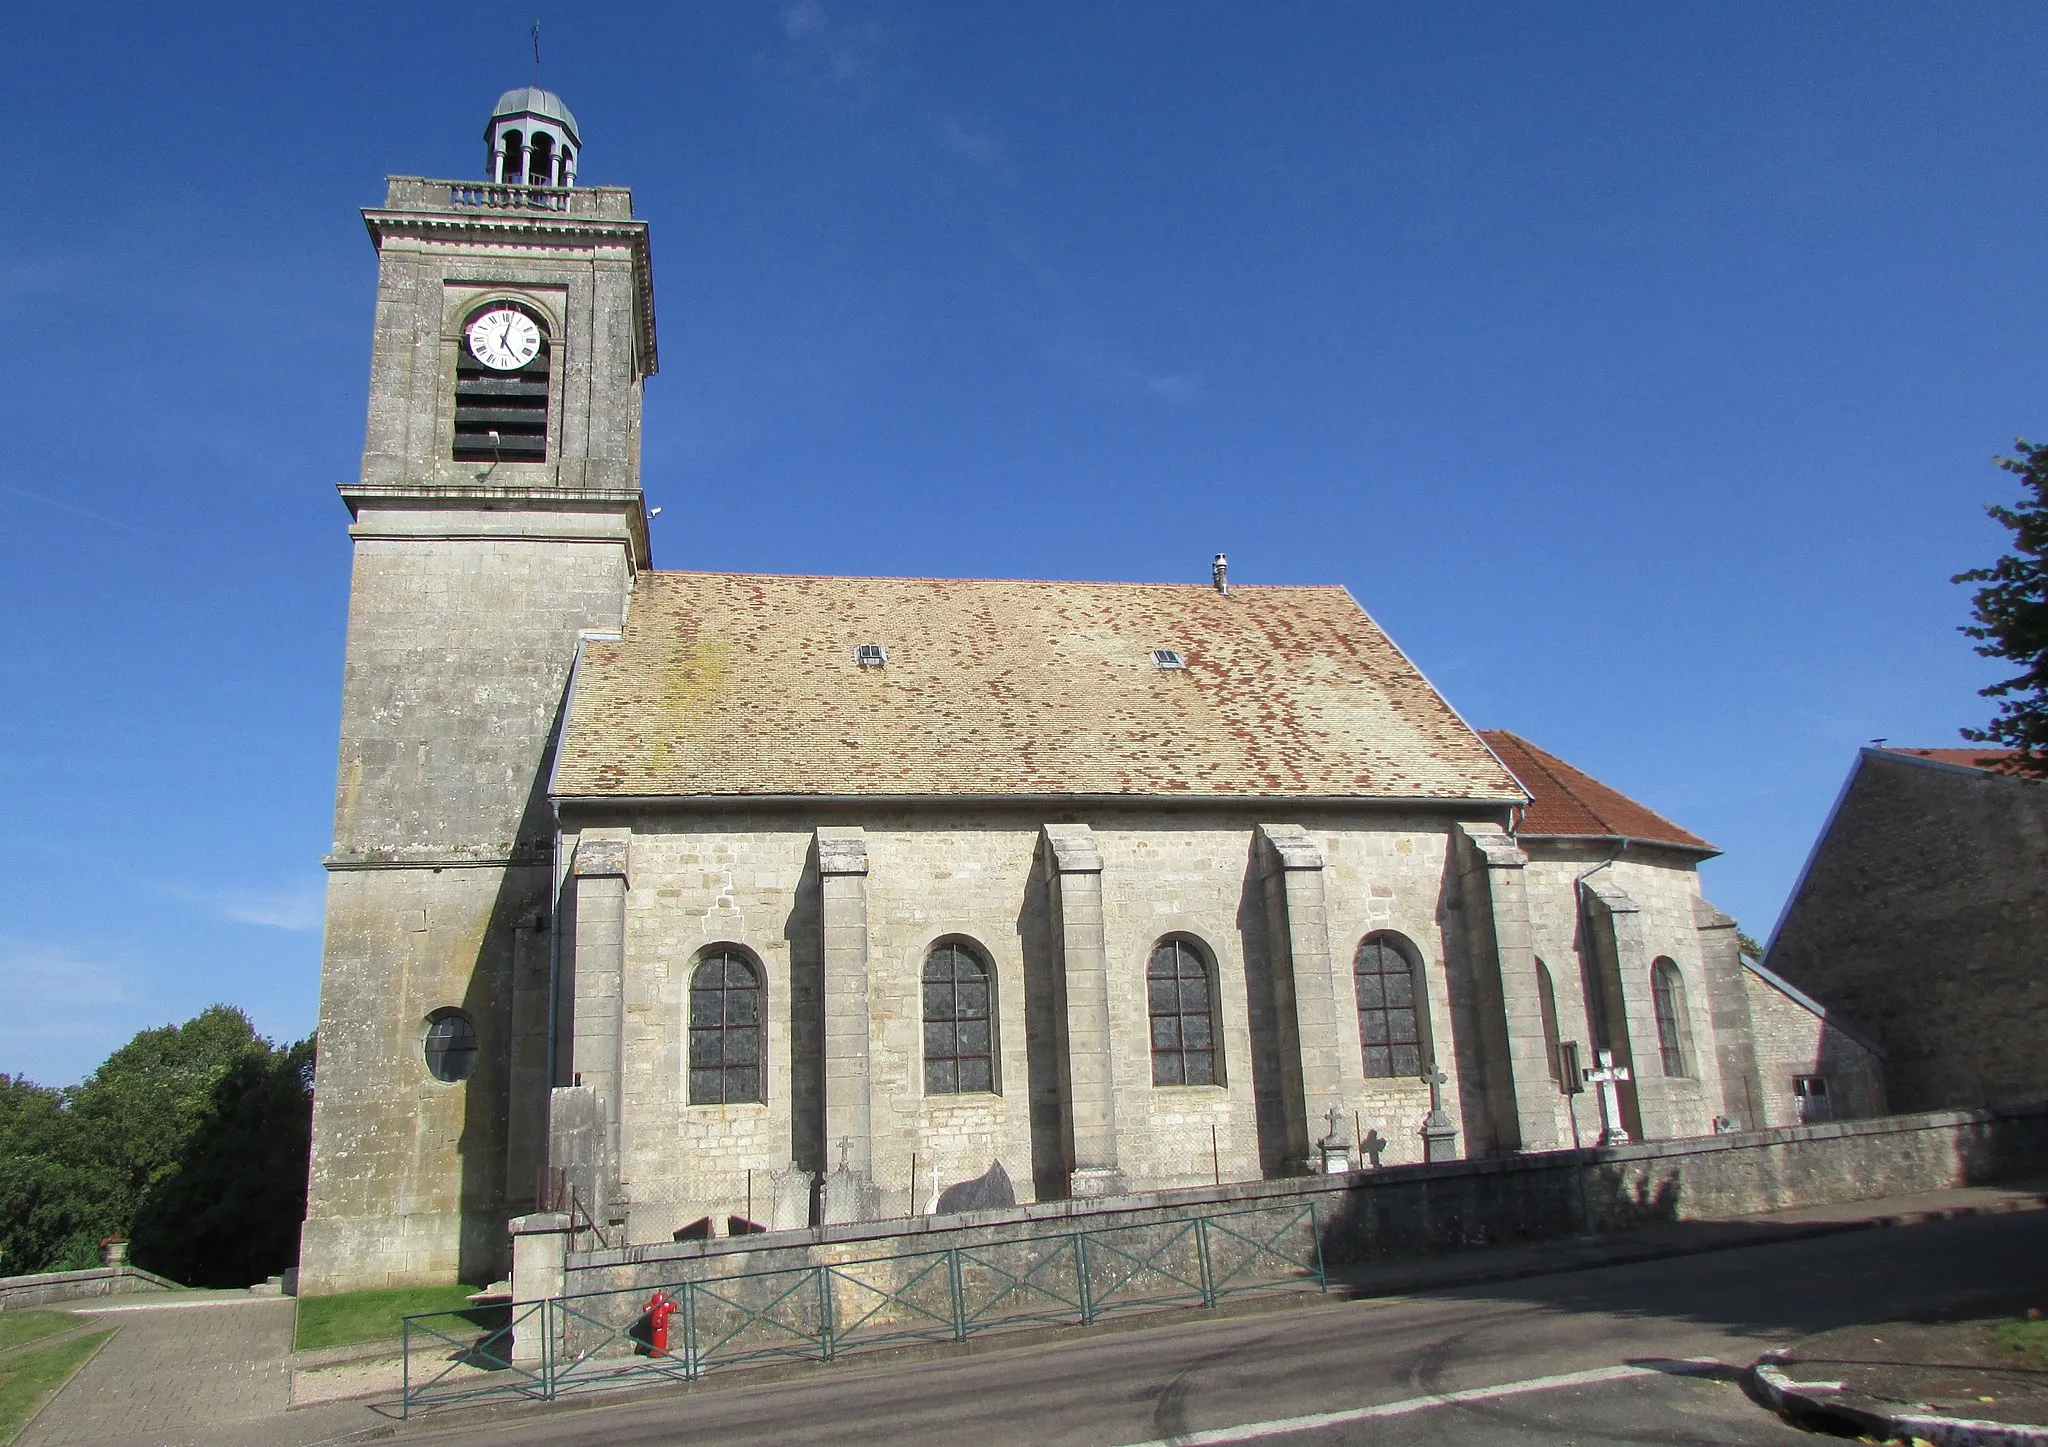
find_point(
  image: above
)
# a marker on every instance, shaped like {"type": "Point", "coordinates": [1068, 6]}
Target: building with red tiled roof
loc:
{"type": "Point", "coordinates": [1922, 913]}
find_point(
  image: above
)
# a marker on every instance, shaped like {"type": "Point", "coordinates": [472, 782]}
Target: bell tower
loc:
{"type": "Point", "coordinates": [496, 518]}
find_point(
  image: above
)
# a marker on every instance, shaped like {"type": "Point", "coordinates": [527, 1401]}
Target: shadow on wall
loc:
{"type": "Point", "coordinates": [524, 906]}
{"type": "Point", "coordinates": [803, 932]}
{"type": "Point", "coordinates": [1045, 1037]}
{"type": "Point", "coordinates": [1282, 1134]}
{"type": "Point", "coordinates": [1420, 1213]}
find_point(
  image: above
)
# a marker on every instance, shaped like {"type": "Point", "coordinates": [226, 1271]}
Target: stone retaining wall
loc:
{"type": "Point", "coordinates": [1406, 1212]}
{"type": "Point", "coordinates": [43, 1288]}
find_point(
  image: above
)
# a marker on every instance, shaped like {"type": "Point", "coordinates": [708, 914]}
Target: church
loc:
{"type": "Point", "coordinates": [722, 901]}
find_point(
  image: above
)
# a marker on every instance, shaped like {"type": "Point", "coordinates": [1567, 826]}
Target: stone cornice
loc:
{"type": "Point", "coordinates": [543, 228]}
{"type": "Point", "coordinates": [629, 503]}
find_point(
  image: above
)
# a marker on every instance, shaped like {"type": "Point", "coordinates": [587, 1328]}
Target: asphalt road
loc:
{"type": "Point", "coordinates": [1647, 1353]}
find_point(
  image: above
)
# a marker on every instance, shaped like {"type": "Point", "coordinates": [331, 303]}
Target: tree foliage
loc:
{"type": "Point", "coordinates": [2011, 609]}
{"type": "Point", "coordinates": [190, 1139]}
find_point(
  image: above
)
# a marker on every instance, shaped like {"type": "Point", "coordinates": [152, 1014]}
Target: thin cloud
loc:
{"type": "Point", "coordinates": [299, 907]}
{"type": "Point", "coordinates": [969, 145]}
{"type": "Point", "coordinates": [53, 977]}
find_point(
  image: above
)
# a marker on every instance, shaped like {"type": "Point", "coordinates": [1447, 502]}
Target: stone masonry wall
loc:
{"type": "Point", "coordinates": [1664, 887]}
{"type": "Point", "coordinates": [1791, 1041]}
{"type": "Point", "coordinates": [749, 881]}
{"type": "Point", "coordinates": [1923, 917]}
{"type": "Point", "coordinates": [1425, 1210]}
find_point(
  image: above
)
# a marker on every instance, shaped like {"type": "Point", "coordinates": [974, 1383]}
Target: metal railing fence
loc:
{"type": "Point", "coordinates": [608, 1339]}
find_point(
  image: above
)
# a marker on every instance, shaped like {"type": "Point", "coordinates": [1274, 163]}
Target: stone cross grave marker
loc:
{"type": "Point", "coordinates": [1606, 1076]}
{"type": "Point", "coordinates": [1336, 1146]}
{"type": "Point", "coordinates": [1439, 1131]}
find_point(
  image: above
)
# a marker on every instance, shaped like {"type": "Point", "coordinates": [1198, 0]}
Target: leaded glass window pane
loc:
{"type": "Point", "coordinates": [1674, 1036]}
{"type": "Point", "coordinates": [725, 1031]}
{"type": "Point", "coordinates": [1389, 1025]}
{"type": "Point", "coordinates": [450, 1045]}
{"type": "Point", "coordinates": [959, 1037]}
{"type": "Point", "coordinates": [1183, 1028]}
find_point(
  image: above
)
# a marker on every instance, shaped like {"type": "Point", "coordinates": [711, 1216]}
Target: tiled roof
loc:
{"type": "Point", "coordinates": [1993, 760]}
{"type": "Point", "coordinates": [1567, 803]}
{"type": "Point", "coordinates": [731, 684]}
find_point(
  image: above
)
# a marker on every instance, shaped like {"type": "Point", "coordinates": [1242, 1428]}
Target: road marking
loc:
{"type": "Point", "coordinates": [1286, 1426]}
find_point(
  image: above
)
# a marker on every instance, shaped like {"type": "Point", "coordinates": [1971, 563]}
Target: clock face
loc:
{"type": "Point", "coordinates": [504, 339]}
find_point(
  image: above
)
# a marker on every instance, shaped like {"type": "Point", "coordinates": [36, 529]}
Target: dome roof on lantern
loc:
{"type": "Point", "coordinates": [531, 100]}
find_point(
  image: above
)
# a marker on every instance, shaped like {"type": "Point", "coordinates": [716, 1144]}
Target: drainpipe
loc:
{"type": "Point", "coordinates": [1597, 995]}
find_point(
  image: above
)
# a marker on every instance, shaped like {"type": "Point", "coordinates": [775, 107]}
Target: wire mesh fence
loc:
{"type": "Point", "coordinates": [826, 1310]}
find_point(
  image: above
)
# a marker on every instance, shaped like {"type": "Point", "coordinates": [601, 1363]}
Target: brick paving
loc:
{"type": "Point", "coordinates": [178, 1374]}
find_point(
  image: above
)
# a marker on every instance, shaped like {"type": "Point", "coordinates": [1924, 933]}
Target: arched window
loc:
{"type": "Point", "coordinates": [515, 162]}
{"type": "Point", "coordinates": [566, 167]}
{"type": "Point", "coordinates": [1182, 1006]}
{"type": "Point", "coordinates": [1546, 1001]}
{"type": "Point", "coordinates": [725, 1030]}
{"type": "Point", "coordinates": [1674, 1027]}
{"type": "Point", "coordinates": [541, 164]}
{"type": "Point", "coordinates": [959, 1034]}
{"type": "Point", "coordinates": [450, 1045]}
{"type": "Point", "coordinates": [1388, 1023]}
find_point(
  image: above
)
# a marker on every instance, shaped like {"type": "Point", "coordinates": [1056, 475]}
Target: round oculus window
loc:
{"type": "Point", "coordinates": [450, 1045]}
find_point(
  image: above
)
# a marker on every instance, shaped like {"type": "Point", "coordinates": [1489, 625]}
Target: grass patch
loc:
{"type": "Point", "coordinates": [20, 1327]}
{"type": "Point", "coordinates": [2024, 1341]}
{"type": "Point", "coordinates": [354, 1316]}
{"type": "Point", "coordinates": [27, 1380]}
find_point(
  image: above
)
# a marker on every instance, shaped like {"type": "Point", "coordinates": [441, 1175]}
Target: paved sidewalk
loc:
{"type": "Point", "coordinates": [1680, 1238]}
{"type": "Point", "coordinates": [1935, 1380]}
{"type": "Point", "coordinates": [185, 1370]}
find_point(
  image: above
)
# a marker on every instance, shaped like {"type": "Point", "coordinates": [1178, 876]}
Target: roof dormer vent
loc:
{"type": "Point", "coordinates": [1168, 658]}
{"type": "Point", "coordinates": [870, 655]}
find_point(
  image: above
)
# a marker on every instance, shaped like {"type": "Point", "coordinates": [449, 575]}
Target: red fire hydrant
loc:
{"type": "Point", "coordinates": [659, 1310]}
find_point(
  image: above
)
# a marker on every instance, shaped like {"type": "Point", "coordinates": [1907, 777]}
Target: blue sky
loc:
{"type": "Point", "coordinates": [1640, 369]}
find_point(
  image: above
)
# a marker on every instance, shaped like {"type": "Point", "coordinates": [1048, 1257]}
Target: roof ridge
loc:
{"type": "Point", "coordinates": [1034, 582]}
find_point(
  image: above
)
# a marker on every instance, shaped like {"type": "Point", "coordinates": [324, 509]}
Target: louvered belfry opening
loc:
{"type": "Point", "coordinates": [514, 405]}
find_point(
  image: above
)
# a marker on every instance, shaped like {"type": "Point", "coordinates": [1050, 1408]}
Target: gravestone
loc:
{"type": "Point", "coordinates": [850, 1194]}
{"type": "Point", "coordinates": [789, 1202]}
{"type": "Point", "coordinates": [1606, 1075]}
{"type": "Point", "coordinates": [1334, 1149]}
{"type": "Point", "coordinates": [1439, 1131]}
{"type": "Point", "coordinates": [989, 1191]}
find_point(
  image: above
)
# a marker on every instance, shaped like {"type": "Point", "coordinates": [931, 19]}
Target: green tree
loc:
{"type": "Point", "coordinates": [190, 1139]}
{"type": "Point", "coordinates": [2011, 610]}
{"type": "Point", "coordinates": [229, 1212]}
{"type": "Point", "coordinates": [51, 1217]}
{"type": "Point", "coordinates": [1749, 947]}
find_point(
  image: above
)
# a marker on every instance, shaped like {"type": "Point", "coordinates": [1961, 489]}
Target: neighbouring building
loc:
{"type": "Point", "coordinates": [800, 898]}
{"type": "Point", "coordinates": [1922, 914]}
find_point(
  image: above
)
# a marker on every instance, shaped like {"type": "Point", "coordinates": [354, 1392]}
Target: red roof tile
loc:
{"type": "Point", "coordinates": [1567, 803]}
